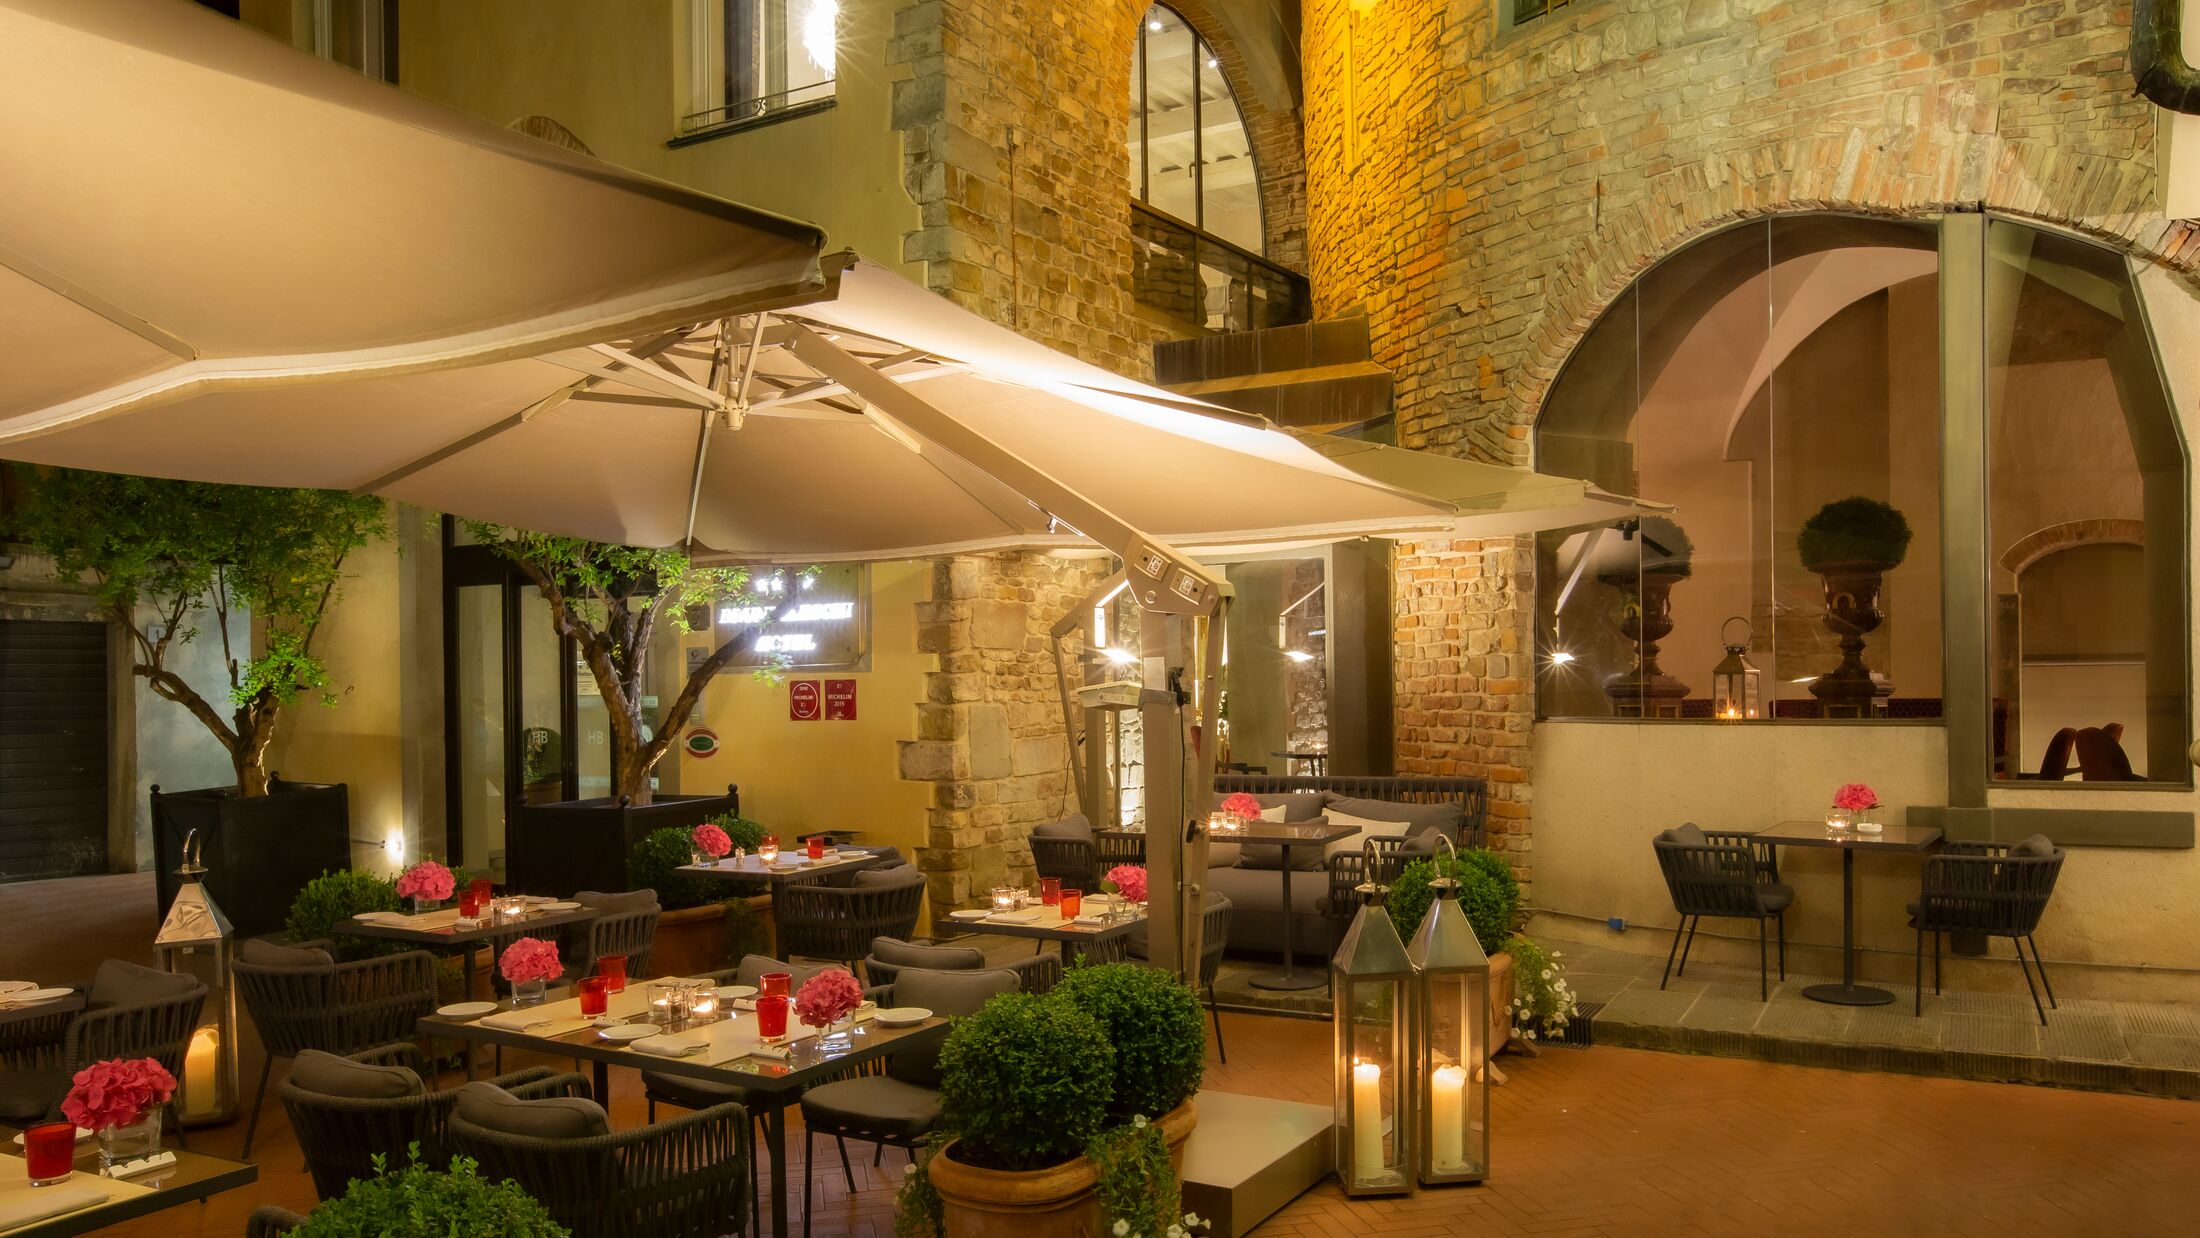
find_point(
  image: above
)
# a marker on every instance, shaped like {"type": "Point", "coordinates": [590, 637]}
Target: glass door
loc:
{"type": "Point", "coordinates": [475, 722]}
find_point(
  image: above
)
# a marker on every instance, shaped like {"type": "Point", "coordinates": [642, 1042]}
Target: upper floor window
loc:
{"type": "Point", "coordinates": [1190, 155]}
{"type": "Point", "coordinates": [1521, 12]}
{"type": "Point", "coordinates": [361, 34]}
{"type": "Point", "coordinates": [750, 59]}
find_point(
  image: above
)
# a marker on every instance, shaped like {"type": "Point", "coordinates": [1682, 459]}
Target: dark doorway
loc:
{"type": "Point", "coordinates": [53, 749]}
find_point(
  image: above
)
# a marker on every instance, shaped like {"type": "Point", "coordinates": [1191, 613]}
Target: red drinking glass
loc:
{"type": "Point", "coordinates": [773, 983]}
{"type": "Point", "coordinates": [49, 1152]}
{"type": "Point", "coordinates": [612, 968]}
{"type": "Point", "coordinates": [817, 846]}
{"type": "Point", "coordinates": [1050, 890]}
{"type": "Point", "coordinates": [1071, 901]}
{"type": "Point", "coordinates": [595, 995]}
{"type": "Point", "coordinates": [771, 1015]}
{"type": "Point", "coordinates": [470, 904]}
{"type": "Point", "coordinates": [483, 887]}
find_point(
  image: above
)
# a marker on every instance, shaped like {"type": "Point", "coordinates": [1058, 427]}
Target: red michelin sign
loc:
{"type": "Point", "coordinates": [802, 700]}
{"type": "Point", "coordinates": [840, 700]}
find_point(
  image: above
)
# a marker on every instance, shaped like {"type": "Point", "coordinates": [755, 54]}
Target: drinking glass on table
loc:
{"type": "Point", "coordinates": [49, 1152]}
{"type": "Point", "coordinates": [771, 1015]}
{"type": "Point", "coordinates": [1050, 890]}
{"type": "Point", "coordinates": [612, 967]}
{"type": "Point", "coordinates": [773, 983]}
{"type": "Point", "coordinates": [817, 846]}
{"type": "Point", "coordinates": [595, 995]}
{"type": "Point", "coordinates": [1071, 901]}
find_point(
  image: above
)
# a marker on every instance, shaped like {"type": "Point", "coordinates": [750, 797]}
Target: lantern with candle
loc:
{"type": "Point", "coordinates": [1451, 1041]}
{"type": "Point", "coordinates": [195, 939]}
{"type": "Point", "coordinates": [1371, 983]}
{"type": "Point", "coordinates": [1737, 689]}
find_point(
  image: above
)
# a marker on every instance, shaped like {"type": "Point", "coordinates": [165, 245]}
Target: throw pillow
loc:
{"type": "Point", "coordinates": [554, 1117]}
{"type": "Point", "coordinates": [117, 983]}
{"type": "Point", "coordinates": [1296, 805]}
{"type": "Point", "coordinates": [891, 878]}
{"type": "Point", "coordinates": [1369, 828]}
{"type": "Point", "coordinates": [1689, 835]}
{"type": "Point", "coordinates": [1448, 816]}
{"type": "Point", "coordinates": [330, 1075]}
{"type": "Point", "coordinates": [1073, 826]}
{"type": "Point", "coordinates": [895, 952]}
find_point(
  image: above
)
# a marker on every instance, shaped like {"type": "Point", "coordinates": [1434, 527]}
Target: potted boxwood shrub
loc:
{"type": "Point", "coordinates": [1160, 1037]}
{"type": "Point", "coordinates": [706, 921]}
{"type": "Point", "coordinates": [1852, 544]}
{"type": "Point", "coordinates": [333, 897]}
{"type": "Point", "coordinates": [1655, 555]}
{"type": "Point", "coordinates": [1490, 895]}
{"type": "Point", "coordinates": [419, 1202]}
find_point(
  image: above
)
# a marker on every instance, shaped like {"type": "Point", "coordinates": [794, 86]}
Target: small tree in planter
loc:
{"type": "Point", "coordinates": [419, 1202]}
{"type": "Point", "coordinates": [1852, 544]}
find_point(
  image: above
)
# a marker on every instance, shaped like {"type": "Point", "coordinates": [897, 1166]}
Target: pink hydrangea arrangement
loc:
{"type": "Point", "coordinates": [1241, 804]}
{"type": "Point", "coordinates": [428, 880]}
{"type": "Point", "coordinates": [530, 958]}
{"type": "Point", "coordinates": [1855, 797]}
{"type": "Point", "coordinates": [712, 841]}
{"type": "Point", "coordinates": [1128, 880]}
{"type": "Point", "coordinates": [117, 1093]}
{"type": "Point", "coordinates": [827, 997]}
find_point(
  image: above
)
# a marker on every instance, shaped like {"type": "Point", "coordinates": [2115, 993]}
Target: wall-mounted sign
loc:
{"type": "Point", "coordinates": [840, 700]}
{"type": "Point", "coordinates": [802, 701]}
{"type": "Point", "coordinates": [702, 742]}
{"type": "Point", "coordinates": [828, 626]}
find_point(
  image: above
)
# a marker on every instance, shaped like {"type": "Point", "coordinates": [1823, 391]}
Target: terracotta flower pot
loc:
{"type": "Point", "coordinates": [1041, 1203]}
{"type": "Point", "coordinates": [1501, 1001]}
{"type": "Point", "coordinates": [692, 940]}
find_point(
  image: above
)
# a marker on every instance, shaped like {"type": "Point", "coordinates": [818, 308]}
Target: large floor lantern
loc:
{"type": "Point", "coordinates": [195, 940]}
{"type": "Point", "coordinates": [1451, 1040]}
{"type": "Point", "coordinates": [1371, 984]}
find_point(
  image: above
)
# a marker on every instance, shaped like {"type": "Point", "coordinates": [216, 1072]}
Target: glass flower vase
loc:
{"type": "Point", "coordinates": [528, 992]}
{"type": "Point", "coordinates": [130, 1141]}
{"type": "Point", "coordinates": [422, 904]}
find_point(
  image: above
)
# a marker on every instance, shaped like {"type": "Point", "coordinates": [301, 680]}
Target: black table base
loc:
{"type": "Point", "coordinates": [1848, 994]}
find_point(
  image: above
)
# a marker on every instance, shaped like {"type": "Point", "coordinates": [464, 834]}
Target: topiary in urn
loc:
{"type": "Point", "coordinates": [1852, 544]}
{"type": "Point", "coordinates": [1652, 555]}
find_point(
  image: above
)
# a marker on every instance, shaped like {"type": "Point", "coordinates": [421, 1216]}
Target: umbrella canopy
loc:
{"type": "Point", "coordinates": [319, 281]}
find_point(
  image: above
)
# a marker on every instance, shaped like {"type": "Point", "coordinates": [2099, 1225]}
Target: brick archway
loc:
{"type": "Point", "coordinates": [2037, 545]}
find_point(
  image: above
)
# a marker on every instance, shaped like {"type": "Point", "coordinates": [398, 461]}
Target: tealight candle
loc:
{"type": "Point", "coordinates": [767, 849]}
{"type": "Point", "coordinates": [1004, 898]}
{"type": "Point", "coordinates": [705, 1002]}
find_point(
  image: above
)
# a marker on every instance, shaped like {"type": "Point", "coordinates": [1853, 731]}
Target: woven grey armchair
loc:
{"type": "Point", "coordinates": [158, 1027]}
{"type": "Point", "coordinates": [684, 1177]}
{"type": "Point", "coordinates": [1721, 873]}
{"type": "Point", "coordinates": [617, 931]}
{"type": "Point", "coordinates": [271, 1221]}
{"type": "Point", "coordinates": [1071, 861]}
{"type": "Point", "coordinates": [1038, 973]}
{"type": "Point", "coordinates": [341, 1135]}
{"type": "Point", "coordinates": [1214, 940]}
{"type": "Point", "coordinates": [339, 1008]}
{"type": "Point", "coordinates": [839, 922]}
{"type": "Point", "coordinates": [1992, 891]}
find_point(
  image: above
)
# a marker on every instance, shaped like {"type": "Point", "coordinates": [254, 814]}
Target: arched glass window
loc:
{"type": "Point", "coordinates": [1190, 156]}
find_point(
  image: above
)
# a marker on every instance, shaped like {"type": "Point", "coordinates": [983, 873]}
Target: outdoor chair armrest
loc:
{"type": "Point", "coordinates": [1037, 973]}
{"type": "Point", "coordinates": [400, 1053]}
{"type": "Point", "coordinates": [541, 1083]}
{"type": "Point", "coordinates": [1974, 849]}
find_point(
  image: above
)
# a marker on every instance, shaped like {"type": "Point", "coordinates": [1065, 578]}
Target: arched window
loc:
{"type": "Point", "coordinates": [1780, 384]}
{"type": "Point", "coordinates": [1190, 156]}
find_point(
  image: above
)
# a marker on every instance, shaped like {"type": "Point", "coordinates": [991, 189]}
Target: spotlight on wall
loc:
{"type": "Point", "coordinates": [1121, 657]}
{"type": "Point", "coordinates": [1298, 655]}
{"type": "Point", "coordinates": [394, 848]}
{"type": "Point", "coordinates": [1561, 657]}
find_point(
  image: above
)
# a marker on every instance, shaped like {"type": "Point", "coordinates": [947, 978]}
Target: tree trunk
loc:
{"type": "Point", "coordinates": [630, 770]}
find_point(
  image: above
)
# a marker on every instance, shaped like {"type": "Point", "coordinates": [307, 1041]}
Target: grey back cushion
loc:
{"type": "Point", "coordinates": [2036, 845]}
{"type": "Point", "coordinates": [942, 992]}
{"type": "Point", "coordinates": [1073, 826]}
{"type": "Point", "coordinates": [890, 878]}
{"type": "Point", "coordinates": [330, 1075]}
{"type": "Point", "coordinates": [555, 1117]}
{"type": "Point", "coordinates": [1305, 858]}
{"type": "Point", "coordinates": [1688, 835]}
{"type": "Point", "coordinates": [1297, 805]}
{"type": "Point", "coordinates": [1223, 855]}
{"type": "Point", "coordinates": [1445, 817]}
{"type": "Point", "coordinates": [895, 952]}
{"type": "Point", "coordinates": [618, 904]}
{"type": "Point", "coordinates": [117, 983]}
{"type": "Point", "coordinates": [754, 966]}
{"type": "Point", "coordinates": [261, 953]}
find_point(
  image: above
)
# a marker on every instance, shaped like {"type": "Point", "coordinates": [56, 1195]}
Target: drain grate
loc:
{"type": "Point", "coordinates": [1580, 1030]}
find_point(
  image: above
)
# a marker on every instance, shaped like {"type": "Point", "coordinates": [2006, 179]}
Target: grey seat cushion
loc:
{"type": "Point", "coordinates": [890, 878]}
{"type": "Point", "coordinates": [555, 1117]}
{"type": "Point", "coordinates": [1305, 858]}
{"type": "Point", "coordinates": [695, 1093]}
{"type": "Point", "coordinates": [1073, 826]}
{"type": "Point", "coordinates": [617, 904]}
{"type": "Point", "coordinates": [1773, 897]}
{"type": "Point", "coordinates": [1445, 818]}
{"type": "Point", "coordinates": [894, 952]}
{"type": "Point", "coordinates": [330, 1075]}
{"type": "Point", "coordinates": [26, 1096]}
{"type": "Point", "coordinates": [117, 983]}
{"type": "Point", "coordinates": [262, 953]}
{"type": "Point", "coordinates": [1261, 889]}
{"type": "Point", "coordinates": [878, 1104]}
{"type": "Point", "coordinates": [1297, 805]}
{"type": "Point", "coordinates": [1687, 835]}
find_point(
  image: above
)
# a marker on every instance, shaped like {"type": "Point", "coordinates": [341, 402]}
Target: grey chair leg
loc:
{"type": "Point", "coordinates": [1936, 962]}
{"type": "Point", "coordinates": [809, 1157]}
{"type": "Point", "coordinates": [1783, 945]}
{"type": "Point", "coordinates": [2041, 963]}
{"type": "Point", "coordinates": [1694, 924]}
{"type": "Point", "coordinates": [1672, 950]}
{"type": "Point", "coordinates": [1762, 994]}
{"type": "Point", "coordinates": [252, 1124]}
{"type": "Point", "coordinates": [846, 1170]}
{"type": "Point", "coordinates": [1917, 986]}
{"type": "Point", "coordinates": [2029, 987]}
{"type": "Point", "coordinates": [1215, 1012]}
{"type": "Point", "coordinates": [756, 1172]}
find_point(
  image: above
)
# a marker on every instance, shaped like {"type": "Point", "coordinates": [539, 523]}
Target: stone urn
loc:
{"type": "Point", "coordinates": [1852, 612]}
{"type": "Point", "coordinates": [1056, 1202]}
{"type": "Point", "coordinates": [1645, 618]}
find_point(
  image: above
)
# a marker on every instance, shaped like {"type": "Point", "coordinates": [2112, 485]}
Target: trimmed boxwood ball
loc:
{"type": "Point", "coordinates": [419, 1202]}
{"type": "Point", "coordinates": [1854, 530]}
{"type": "Point", "coordinates": [1488, 893]}
{"type": "Point", "coordinates": [333, 897]}
{"type": "Point", "coordinates": [1025, 1082]}
{"type": "Point", "coordinates": [1154, 1021]}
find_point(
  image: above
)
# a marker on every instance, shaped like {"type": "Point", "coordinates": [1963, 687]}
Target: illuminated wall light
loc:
{"type": "Point", "coordinates": [821, 33]}
{"type": "Point", "coordinates": [394, 847]}
{"type": "Point", "coordinates": [1121, 657]}
{"type": "Point", "coordinates": [1561, 657]}
{"type": "Point", "coordinates": [1298, 655]}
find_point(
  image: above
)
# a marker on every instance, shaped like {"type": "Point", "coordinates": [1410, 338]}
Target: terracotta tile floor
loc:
{"type": "Point", "coordinates": [1601, 1141]}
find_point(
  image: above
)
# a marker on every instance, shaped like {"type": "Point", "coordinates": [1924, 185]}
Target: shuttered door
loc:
{"type": "Point", "coordinates": [53, 749]}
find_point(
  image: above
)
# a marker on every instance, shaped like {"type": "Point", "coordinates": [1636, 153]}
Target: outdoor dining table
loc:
{"type": "Point", "coordinates": [1287, 835]}
{"type": "Point", "coordinates": [735, 1055]}
{"type": "Point", "coordinates": [1101, 940]}
{"type": "Point", "coordinates": [1911, 838]}
{"type": "Point", "coordinates": [26, 1012]}
{"type": "Point", "coordinates": [194, 1176]}
{"type": "Point", "coordinates": [792, 866]}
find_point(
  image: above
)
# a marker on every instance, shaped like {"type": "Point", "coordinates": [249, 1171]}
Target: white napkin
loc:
{"type": "Point", "coordinates": [1025, 916]}
{"type": "Point", "coordinates": [25, 1204]}
{"type": "Point", "coordinates": [685, 1044]}
{"type": "Point", "coordinates": [397, 918]}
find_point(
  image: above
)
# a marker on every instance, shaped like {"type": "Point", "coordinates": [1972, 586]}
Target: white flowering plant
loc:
{"type": "Point", "coordinates": [1543, 1003]}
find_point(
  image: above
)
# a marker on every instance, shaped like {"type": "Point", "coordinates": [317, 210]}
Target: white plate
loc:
{"type": "Point", "coordinates": [561, 906]}
{"type": "Point", "coordinates": [81, 1136]}
{"type": "Point", "coordinates": [467, 1010]}
{"type": "Point", "coordinates": [902, 1016]}
{"type": "Point", "coordinates": [627, 1033]}
{"type": "Point", "coordinates": [731, 991]}
{"type": "Point", "coordinates": [976, 913]}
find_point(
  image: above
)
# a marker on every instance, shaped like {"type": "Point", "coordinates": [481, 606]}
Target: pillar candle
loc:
{"type": "Point", "coordinates": [1367, 1119]}
{"type": "Point", "coordinates": [1448, 1116]}
{"type": "Point", "coordinates": [200, 1094]}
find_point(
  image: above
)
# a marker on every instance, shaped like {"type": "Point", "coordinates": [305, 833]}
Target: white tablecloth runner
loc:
{"type": "Point", "coordinates": [23, 1204]}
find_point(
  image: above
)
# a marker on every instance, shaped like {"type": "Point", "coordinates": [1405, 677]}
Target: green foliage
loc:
{"type": "Point", "coordinates": [1854, 530]}
{"type": "Point", "coordinates": [745, 931]}
{"type": "Point", "coordinates": [333, 897]}
{"type": "Point", "coordinates": [654, 864]}
{"type": "Point", "coordinates": [1154, 1022]}
{"type": "Point", "coordinates": [418, 1202]}
{"type": "Point", "coordinates": [1488, 893]}
{"type": "Point", "coordinates": [918, 1210]}
{"type": "Point", "coordinates": [1136, 1185]}
{"type": "Point", "coordinates": [1543, 1003]}
{"type": "Point", "coordinates": [1025, 1082]}
{"type": "Point", "coordinates": [746, 834]}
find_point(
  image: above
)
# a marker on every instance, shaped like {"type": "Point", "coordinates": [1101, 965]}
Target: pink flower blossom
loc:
{"type": "Point", "coordinates": [1241, 804]}
{"type": "Point", "coordinates": [712, 841]}
{"type": "Point", "coordinates": [117, 1093]}
{"type": "Point", "coordinates": [530, 958]}
{"type": "Point", "coordinates": [1856, 797]}
{"type": "Point", "coordinates": [1129, 881]}
{"type": "Point", "coordinates": [827, 997]}
{"type": "Point", "coordinates": [428, 880]}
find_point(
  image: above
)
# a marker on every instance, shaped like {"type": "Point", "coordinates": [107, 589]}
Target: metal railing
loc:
{"type": "Point", "coordinates": [801, 98]}
{"type": "Point", "coordinates": [1208, 283]}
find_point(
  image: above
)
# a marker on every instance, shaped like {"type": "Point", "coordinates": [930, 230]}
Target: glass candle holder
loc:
{"type": "Point", "coordinates": [1050, 890]}
{"type": "Point", "coordinates": [702, 1001]}
{"type": "Point", "coordinates": [1072, 901]}
{"type": "Point", "coordinates": [595, 995]}
{"type": "Point", "coordinates": [771, 1016]}
{"type": "Point", "coordinates": [612, 967]}
{"type": "Point", "coordinates": [1004, 898]}
{"type": "Point", "coordinates": [664, 1001]}
{"type": "Point", "coordinates": [767, 849]}
{"type": "Point", "coordinates": [49, 1152]}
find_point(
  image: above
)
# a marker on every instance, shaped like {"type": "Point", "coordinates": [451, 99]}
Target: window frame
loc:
{"type": "Point", "coordinates": [714, 107]}
{"type": "Point", "coordinates": [1203, 50]}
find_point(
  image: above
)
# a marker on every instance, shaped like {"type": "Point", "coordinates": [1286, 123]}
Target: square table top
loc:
{"type": "Point", "coordinates": [1818, 834]}
{"type": "Point", "coordinates": [750, 868]}
{"type": "Point", "coordinates": [441, 931]}
{"type": "Point", "coordinates": [194, 1176]}
{"type": "Point", "coordinates": [10, 1015]}
{"type": "Point", "coordinates": [805, 1064]}
{"type": "Point", "coordinates": [1048, 926]}
{"type": "Point", "coordinates": [1284, 833]}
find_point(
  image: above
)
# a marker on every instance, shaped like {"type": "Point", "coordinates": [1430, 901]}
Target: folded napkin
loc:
{"type": "Point", "coordinates": [1025, 916]}
{"type": "Point", "coordinates": [397, 918]}
{"type": "Point", "coordinates": [553, 1019]}
{"type": "Point", "coordinates": [24, 1204]}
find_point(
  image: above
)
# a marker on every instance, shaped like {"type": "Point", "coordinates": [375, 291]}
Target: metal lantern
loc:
{"type": "Point", "coordinates": [1737, 690]}
{"type": "Point", "coordinates": [1451, 1042]}
{"type": "Point", "coordinates": [195, 940]}
{"type": "Point", "coordinates": [1371, 985]}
